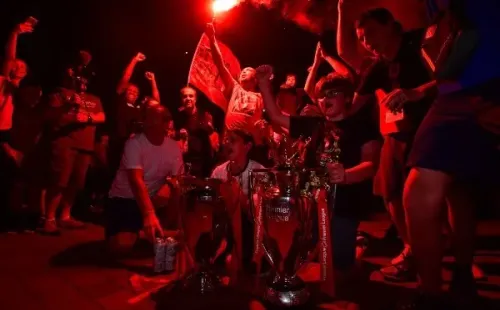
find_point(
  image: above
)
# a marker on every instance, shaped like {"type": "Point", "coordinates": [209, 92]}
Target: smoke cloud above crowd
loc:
{"type": "Point", "coordinates": [320, 15]}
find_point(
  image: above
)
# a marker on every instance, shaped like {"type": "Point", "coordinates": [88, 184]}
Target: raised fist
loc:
{"type": "Point", "coordinates": [25, 27]}
{"type": "Point", "coordinates": [149, 75]}
{"type": "Point", "coordinates": [319, 52]}
{"type": "Point", "coordinates": [85, 57]}
{"type": "Point", "coordinates": [140, 57]}
{"type": "Point", "coordinates": [264, 73]}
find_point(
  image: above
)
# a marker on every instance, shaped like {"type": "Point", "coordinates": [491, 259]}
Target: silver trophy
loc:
{"type": "Point", "coordinates": [285, 201]}
{"type": "Point", "coordinates": [285, 212]}
{"type": "Point", "coordinates": [205, 229]}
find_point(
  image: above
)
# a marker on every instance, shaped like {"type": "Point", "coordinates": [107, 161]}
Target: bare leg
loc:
{"type": "Point", "coordinates": [424, 197]}
{"type": "Point", "coordinates": [456, 217]}
{"type": "Point", "coordinates": [77, 182]}
{"type": "Point", "coordinates": [67, 202]}
{"type": "Point", "coordinates": [463, 285]}
{"type": "Point", "coordinates": [36, 202]}
{"type": "Point", "coordinates": [401, 267]}
{"type": "Point", "coordinates": [463, 228]}
{"type": "Point", "coordinates": [68, 199]}
{"type": "Point", "coordinates": [52, 200]}
{"type": "Point", "coordinates": [397, 213]}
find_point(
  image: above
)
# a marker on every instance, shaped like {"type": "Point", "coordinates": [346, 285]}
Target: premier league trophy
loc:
{"type": "Point", "coordinates": [285, 200]}
{"type": "Point", "coordinates": [205, 229]}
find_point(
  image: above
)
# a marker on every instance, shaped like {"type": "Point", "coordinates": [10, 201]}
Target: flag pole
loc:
{"type": "Point", "coordinates": [191, 66]}
{"type": "Point", "coordinates": [194, 55]}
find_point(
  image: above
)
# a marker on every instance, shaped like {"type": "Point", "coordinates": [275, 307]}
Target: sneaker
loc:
{"type": "Point", "coordinates": [49, 228]}
{"type": "Point", "coordinates": [402, 256]}
{"type": "Point", "coordinates": [402, 272]}
{"type": "Point", "coordinates": [71, 223]}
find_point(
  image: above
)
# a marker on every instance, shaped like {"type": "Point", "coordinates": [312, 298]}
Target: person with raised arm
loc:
{"type": "Point", "coordinates": [14, 70]}
{"type": "Point", "coordinates": [127, 109]}
{"type": "Point", "coordinates": [359, 143]}
{"type": "Point", "coordinates": [336, 65]}
{"type": "Point", "coordinates": [242, 94]}
{"type": "Point", "coordinates": [347, 42]}
{"type": "Point", "coordinates": [399, 73]}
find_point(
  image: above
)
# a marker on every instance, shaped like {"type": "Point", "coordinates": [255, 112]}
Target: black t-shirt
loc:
{"type": "Point", "coordinates": [352, 134]}
{"type": "Point", "coordinates": [127, 117]}
{"type": "Point", "coordinates": [407, 70]}
{"type": "Point", "coordinates": [201, 119]}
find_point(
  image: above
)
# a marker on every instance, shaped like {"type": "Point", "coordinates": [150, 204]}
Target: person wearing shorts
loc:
{"type": "Point", "coordinates": [148, 159]}
{"type": "Point", "coordinates": [73, 115]}
{"type": "Point", "coordinates": [453, 149]}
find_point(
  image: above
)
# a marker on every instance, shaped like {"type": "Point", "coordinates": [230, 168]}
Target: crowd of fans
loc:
{"type": "Point", "coordinates": [406, 149]}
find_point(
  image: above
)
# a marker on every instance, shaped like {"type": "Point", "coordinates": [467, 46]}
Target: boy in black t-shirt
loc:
{"type": "Point", "coordinates": [358, 139]}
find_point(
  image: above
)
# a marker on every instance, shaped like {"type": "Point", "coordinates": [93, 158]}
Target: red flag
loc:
{"type": "Point", "coordinates": [204, 74]}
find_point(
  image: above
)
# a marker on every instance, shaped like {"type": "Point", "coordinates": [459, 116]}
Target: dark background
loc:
{"type": "Point", "coordinates": [166, 31]}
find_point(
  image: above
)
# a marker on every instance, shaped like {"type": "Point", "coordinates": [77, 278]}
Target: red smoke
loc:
{"type": "Point", "coordinates": [320, 15]}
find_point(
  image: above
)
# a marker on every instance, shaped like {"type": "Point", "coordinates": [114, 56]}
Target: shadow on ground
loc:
{"type": "Point", "coordinates": [95, 254]}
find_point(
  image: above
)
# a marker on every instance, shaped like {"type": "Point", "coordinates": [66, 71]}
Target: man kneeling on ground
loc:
{"type": "Point", "coordinates": [148, 159]}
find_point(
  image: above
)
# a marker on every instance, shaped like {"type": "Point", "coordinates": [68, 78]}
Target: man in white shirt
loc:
{"type": "Point", "coordinates": [148, 159]}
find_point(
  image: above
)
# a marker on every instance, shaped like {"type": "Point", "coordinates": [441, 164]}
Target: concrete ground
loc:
{"type": "Point", "coordinates": [68, 272]}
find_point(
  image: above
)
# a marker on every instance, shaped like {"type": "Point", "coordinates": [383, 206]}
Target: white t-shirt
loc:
{"type": "Point", "coordinates": [247, 104]}
{"type": "Point", "coordinates": [221, 172]}
{"type": "Point", "coordinates": [157, 162]}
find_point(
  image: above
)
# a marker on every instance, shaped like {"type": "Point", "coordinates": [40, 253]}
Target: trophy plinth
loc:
{"type": "Point", "coordinates": [287, 291]}
{"type": "Point", "coordinates": [203, 281]}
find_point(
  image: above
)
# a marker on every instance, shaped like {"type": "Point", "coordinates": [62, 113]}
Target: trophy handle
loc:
{"type": "Point", "coordinates": [333, 197]}
{"type": "Point", "coordinates": [189, 255]}
{"type": "Point", "coordinates": [250, 195]}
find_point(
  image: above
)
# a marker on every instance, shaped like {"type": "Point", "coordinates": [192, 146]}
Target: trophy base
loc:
{"type": "Point", "coordinates": [202, 282]}
{"type": "Point", "coordinates": [287, 292]}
